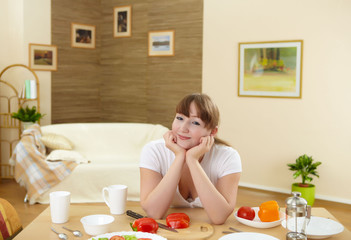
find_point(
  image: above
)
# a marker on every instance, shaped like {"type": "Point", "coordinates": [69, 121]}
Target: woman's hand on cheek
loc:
{"type": "Point", "coordinates": [198, 151]}
{"type": "Point", "coordinates": [171, 144]}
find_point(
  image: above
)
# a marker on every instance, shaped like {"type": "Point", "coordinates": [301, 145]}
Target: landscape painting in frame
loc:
{"type": "Point", "coordinates": [42, 57]}
{"type": "Point", "coordinates": [82, 35]}
{"type": "Point", "coordinates": [122, 24]}
{"type": "Point", "coordinates": [161, 43]}
{"type": "Point", "coordinates": [270, 69]}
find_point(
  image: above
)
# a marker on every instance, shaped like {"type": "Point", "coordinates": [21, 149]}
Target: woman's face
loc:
{"type": "Point", "coordinates": [189, 130]}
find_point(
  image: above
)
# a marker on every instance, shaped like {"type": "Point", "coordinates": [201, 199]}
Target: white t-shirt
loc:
{"type": "Point", "coordinates": [220, 161]}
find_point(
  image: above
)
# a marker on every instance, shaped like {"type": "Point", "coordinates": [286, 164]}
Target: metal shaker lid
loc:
{"type": "Point", "coordinates": [295, 200]}
{"type": "Point", "coordinates": [296, 206]}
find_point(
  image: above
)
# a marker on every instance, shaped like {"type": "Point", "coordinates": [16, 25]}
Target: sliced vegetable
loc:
{"type": "Point", "coordinates": [130, 237]}
{"type": "Point", "coordinates": [269, 211]}
{"type": "Point", "coordinates": [178, 220]}
{"type": "Point", "coordinates": [117, 237]}
{"type": "Point", "coordinates": [145, 225]}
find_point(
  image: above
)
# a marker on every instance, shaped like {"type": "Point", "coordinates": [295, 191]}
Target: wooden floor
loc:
{"type": "Point", "coordinates": [15, 194]}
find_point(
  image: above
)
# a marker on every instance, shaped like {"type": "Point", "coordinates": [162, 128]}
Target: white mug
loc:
{"type": "Point", "coordinates": [117, 197]}
{"type": "Point", "coordinates": [59, 206]}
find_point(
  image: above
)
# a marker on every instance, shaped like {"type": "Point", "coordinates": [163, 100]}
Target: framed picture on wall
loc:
{"type": "Point", "coordinates": [122, 21]}
{"type": "Point", "coordinates": [82, 35]}
{"type": "Point", "coordinates": [270, 69]}
{"type": "Point", "coordinates": [42, 57]}
{"type": "Point", "coordinates": [161, 43]}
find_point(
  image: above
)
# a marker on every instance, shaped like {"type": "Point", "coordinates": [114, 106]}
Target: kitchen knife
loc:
{"type": "Point", "coordinates": [160, 225]}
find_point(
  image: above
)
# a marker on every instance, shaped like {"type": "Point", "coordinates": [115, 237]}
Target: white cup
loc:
{"type": "Point", "coordinates": [117, 197]}
{"type": "Point", "coordinates": [59, 206]}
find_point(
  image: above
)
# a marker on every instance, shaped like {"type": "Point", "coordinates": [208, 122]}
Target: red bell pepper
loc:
{"type": "Point", "coordinates": [178, 220]}
{"type": "Point", "coordinates": [145, 225]}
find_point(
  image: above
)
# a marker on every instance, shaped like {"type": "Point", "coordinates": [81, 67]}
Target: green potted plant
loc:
{"type": "Point", "coordinates": [27, 116]}
{"type": "Point", "coordinates": [304, 167]}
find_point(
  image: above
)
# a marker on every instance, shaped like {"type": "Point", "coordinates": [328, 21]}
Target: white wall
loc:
{"type": "Point", "coordinates": [23, 22]}
{"type": "Point", "coordinates": [270, 132]}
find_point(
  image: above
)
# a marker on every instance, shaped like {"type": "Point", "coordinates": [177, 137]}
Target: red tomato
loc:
{"type": "Point", "coordinates": [116, 237]}
{"type": "Point", "coordinates": [246, 212]}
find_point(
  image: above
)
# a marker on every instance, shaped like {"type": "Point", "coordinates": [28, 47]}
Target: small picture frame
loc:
{"type": "Point", "coordinates": [161, 43]}
{"type": "Point", "coordinates": [122, 21]}
{"type": "Point", "coordinates": [270, 69]}
{"type": "Point", "coordinates": [82, 36]}
{"type": "Point", "coordinates": [43, 57]}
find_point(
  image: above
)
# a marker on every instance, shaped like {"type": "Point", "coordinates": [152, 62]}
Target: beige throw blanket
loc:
{"type": "Point", "coordinates": [31, 169]}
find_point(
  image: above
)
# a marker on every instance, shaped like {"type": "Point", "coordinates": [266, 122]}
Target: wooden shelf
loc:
{"type": "Point", "coordinates": [10, 103]}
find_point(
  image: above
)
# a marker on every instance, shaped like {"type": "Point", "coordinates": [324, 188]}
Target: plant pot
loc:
{"type": "Point", "coordinates": [306, 192]}
{"type": "Point", "coordinates": [26, 125]}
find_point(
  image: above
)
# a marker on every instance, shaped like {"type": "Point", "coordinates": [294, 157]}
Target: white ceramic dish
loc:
{"type": "Point", "coordinates": [318, 227]}
{"type": "Point", "coordinates": [137, 234]}
{"type": "Point", "coordinates": [247, 236]}
{"type": "Point", "coordinates": [256, 222]}
{"type": "Point", "coordinates": [97, 224]}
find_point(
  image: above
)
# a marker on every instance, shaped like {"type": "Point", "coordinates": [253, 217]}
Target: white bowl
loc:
{"type": "Point", "coordinates": [97, 224]}
{"type": "Point", "coordinates": [256, 222]}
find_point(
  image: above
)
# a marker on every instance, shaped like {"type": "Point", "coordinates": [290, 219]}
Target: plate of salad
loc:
{"type": "Point", "coordinates": [128, 236]}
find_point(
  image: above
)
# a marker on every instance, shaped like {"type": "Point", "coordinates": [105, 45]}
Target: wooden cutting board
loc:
{"type": "Point", "coordinates": [196, 230]}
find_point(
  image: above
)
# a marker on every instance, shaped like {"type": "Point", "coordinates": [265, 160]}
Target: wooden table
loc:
{"type": "Point", "coordinates": [40, 227]}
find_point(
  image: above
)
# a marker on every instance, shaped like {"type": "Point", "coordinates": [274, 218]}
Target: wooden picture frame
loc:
{"type": "Point", "coordinates": [122, 21]}
{"type": "Point", "coordinates": [270, 69]}
{"type": "Point", "coordinates": [82, 35]}
{"type": "Point", "coordinates": [42, 57]}
{"type": "Point", "coordinates": [161, 43]}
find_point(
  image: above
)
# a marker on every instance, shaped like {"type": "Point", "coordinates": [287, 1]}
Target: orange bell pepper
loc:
{"type": "Point", "coordinates": [269, 211]}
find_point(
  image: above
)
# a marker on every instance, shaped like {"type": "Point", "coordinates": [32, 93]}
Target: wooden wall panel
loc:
{"type": "Point", "coordinates": [76, 84]}
{"type": "Point", "coordinates": [131, 86]}
{"type": "Point", "coordinates": [179, 75]}
{"type": "Point", "coordinates": [124, 66]}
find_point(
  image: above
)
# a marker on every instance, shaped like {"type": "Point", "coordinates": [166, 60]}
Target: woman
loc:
{"type": "Point", "coordinates": [190, 167]}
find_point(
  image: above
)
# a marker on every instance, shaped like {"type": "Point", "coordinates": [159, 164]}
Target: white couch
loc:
{"type": "Point", "coordinates": [113, 150]}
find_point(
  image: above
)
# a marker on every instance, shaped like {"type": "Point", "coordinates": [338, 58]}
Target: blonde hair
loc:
{"type": "Point", "coordinates": [206, 109]}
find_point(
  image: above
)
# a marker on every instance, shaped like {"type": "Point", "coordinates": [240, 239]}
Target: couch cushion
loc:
{"type": "Point", "coordinates": [66, 155]}
{"type": "Point", "coordinates": [56, 141]}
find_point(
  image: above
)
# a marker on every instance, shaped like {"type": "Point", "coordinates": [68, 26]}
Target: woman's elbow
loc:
{"type": "Point", "coordinates": [219, 220]}
{"type": "Point", "coordinates": [151, 212]}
